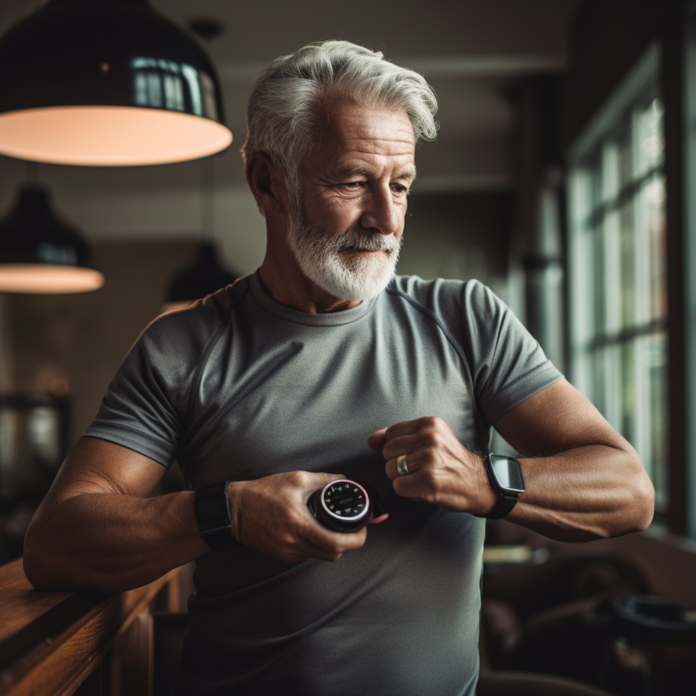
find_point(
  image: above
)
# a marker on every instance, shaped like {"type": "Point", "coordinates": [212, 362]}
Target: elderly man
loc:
{"type": "Point", "coordinates": [323, 365]}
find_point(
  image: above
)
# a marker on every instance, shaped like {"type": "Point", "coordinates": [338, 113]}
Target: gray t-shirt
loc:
{"type": "Point", "coordinates": [238, 387]}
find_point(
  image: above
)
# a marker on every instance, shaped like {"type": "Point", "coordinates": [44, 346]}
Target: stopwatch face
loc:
{"type": "Point", "coordinates": [345, 499]}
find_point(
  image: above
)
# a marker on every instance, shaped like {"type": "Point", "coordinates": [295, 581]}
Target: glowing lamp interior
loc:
{"type": "Point", "coordinates": [109, 136]}
{"type": "Point", "coordinates": [43, 279]}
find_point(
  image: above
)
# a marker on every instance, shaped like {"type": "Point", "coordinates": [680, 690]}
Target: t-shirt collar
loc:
{"type": "Point", "coordinates": [347, 316]}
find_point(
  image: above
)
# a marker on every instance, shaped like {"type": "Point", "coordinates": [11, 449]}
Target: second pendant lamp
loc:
{"type": "Point", "coordinates": [202, 278]}
{"type": "Point", "coordinates": [39, 253]}
{"type": "Point", "coordinates": [107, 83]}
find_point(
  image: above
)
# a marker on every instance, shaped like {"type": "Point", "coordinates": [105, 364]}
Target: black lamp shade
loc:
{"type": "Point", "coordinates": [204, 277]}
{"type": "Point", "coordinates": [107, 83]}
{"type": "Point", "coordinates": [41, 254]}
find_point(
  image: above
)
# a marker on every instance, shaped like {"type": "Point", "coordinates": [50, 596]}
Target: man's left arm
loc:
{"type": "Point", "coordinates": [583, 480]}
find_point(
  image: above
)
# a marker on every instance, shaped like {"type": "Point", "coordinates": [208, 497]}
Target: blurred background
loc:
{"type": "Point", "coordinates": [561, 178]}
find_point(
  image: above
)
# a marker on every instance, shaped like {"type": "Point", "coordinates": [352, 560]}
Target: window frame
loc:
{"type": "Point", "coordinates": [609, 333]}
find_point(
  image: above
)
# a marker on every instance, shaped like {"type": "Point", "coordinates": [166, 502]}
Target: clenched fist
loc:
{"type": "Point", "coordinates": [441, 470]}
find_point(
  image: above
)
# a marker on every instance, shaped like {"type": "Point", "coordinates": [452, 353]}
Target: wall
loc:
{"type": "Point", "coordinates": [461, 236]}
{"type": "Point", "coordinates": [83, 338]}
{"type": "Point", "coordinates": [6, 357]}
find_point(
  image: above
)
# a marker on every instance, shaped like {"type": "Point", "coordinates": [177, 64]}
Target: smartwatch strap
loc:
{"type": "Point", "coordinates": [505, 504]}
{"type": "Point", "coordinates": [212, 508]}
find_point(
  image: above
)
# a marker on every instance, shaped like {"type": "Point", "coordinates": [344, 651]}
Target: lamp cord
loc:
{"type": "Point", "coordinates": [207, 198]}
{"type": "Point", "coordinates": [207, 170]}
{"type": "Point", "coordinates": [33, 173]}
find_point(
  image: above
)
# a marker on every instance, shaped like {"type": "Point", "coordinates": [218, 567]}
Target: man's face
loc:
{"type": "Point", "coordinates": [345, 230]}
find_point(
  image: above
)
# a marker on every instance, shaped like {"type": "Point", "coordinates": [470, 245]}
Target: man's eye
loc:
{"type": "Point", "coordinates": [352, 184]}
{"type": "Point", "coordinates": [398, 188]}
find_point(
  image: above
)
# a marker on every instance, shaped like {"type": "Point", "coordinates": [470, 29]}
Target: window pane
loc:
{"type": "Point", "coordinates": [655, 198]}
{"type": "Point", "coordinates": [595, 282]}
{"type": "Point", "coordinates": [598, 382]}
{"type": "Point", "coordinates": [650, 136]}
{"type": "Point", "coordinates": [628, 392]}
{"type": "Point", "coordinates": [611, 259]}
{"type": "Point", "coordinates": [628, 276]}
{"type": "Point", "coordinates": [613, 384]}
{"type": "Point", "coordinates": [625, 159]}
{"type": "Point", "coordinates": [658, 417]}
{"type": "Point", "coordinates": [619, 277]}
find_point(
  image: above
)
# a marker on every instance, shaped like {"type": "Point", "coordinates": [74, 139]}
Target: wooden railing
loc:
{"type": "Point", "coordinates": [53, 642]}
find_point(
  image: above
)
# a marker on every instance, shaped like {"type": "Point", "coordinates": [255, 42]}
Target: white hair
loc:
{"type": "Point", "coordinates": [280, 112]}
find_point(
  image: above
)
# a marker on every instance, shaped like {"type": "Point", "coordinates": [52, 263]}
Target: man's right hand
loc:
{"type": "Point", "coordinates": [99, 528]}
{"type": "Point", "coordinates": [271, 515]}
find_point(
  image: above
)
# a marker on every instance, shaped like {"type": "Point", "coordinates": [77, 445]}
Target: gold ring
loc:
{"type": "Point", "coordinates": [401, 465]}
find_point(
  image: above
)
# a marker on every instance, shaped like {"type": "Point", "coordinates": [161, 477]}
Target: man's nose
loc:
{"type": "Point", "coordinates": [381, 215]}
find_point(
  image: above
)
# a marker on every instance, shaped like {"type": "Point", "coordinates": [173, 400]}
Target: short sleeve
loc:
{"type": "Point", "coordinates": [146, 408]}
{"type": "Point", "coordinates": [508, 365]}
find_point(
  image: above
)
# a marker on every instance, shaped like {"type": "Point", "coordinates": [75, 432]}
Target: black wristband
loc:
{"type": "Point", "coordinates": [212, 508]}
{"type": "Point", "coordinates": [509, 491]}
{"type": "Point", "coordinates": [503, 507]}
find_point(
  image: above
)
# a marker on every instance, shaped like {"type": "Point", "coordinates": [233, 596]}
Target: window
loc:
{"type": "Point", "coordinates": [616, 255]}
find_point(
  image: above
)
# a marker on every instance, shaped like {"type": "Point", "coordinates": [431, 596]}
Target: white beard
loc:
{"type": "Point", "coordinates": [343, 275]}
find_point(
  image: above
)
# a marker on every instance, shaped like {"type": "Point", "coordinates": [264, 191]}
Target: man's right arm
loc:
{"type": "Point", "coordinates": [97, 529]}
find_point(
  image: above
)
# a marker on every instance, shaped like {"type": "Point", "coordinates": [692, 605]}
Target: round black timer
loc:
{"type": "Point", "coordinates": [341, 506]}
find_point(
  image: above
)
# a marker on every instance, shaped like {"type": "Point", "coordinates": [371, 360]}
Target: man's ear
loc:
{"type": "Point", "coordinates": [266, 183]}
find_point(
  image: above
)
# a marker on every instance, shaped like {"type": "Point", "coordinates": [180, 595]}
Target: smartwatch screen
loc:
{"type": "Point", "coordinates": [507, 473]}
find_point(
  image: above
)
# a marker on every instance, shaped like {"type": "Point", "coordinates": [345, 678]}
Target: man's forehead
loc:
{"type": "Point", "coordinates": [349, 120]}
{"type": "Point", "coordinates": [349, 134]}
{"type": "Point", "coordinates": [404, 168]}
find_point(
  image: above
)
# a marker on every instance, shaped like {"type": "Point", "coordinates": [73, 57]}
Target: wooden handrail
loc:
{"type": "Point", "coordinates": [50, 642]}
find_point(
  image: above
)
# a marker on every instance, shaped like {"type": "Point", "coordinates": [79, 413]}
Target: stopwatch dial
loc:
{"type": "Point", "coordinates": [345, 499]}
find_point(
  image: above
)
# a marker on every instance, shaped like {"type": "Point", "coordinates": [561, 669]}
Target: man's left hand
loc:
{"type": "Point", "coordinates": [441, 470]}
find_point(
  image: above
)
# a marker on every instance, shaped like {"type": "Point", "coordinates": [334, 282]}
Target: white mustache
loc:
{"type": "Point", "coordinates": [354, 241]}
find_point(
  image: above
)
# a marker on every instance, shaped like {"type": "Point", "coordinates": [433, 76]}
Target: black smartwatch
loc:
{"type": "Point", "coordinates": [213, 516]}
{"type": "Point", "coordinates": [505, 474]}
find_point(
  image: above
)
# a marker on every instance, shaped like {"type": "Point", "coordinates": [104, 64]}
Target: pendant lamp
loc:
{"type": "Point", "coordinates": [41, 254]}
{"type": "Point", "coordinates": [107, 83]}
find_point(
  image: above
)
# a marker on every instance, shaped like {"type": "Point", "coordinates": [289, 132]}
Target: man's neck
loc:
{"type": "Point", "coordinates": [287, 284]}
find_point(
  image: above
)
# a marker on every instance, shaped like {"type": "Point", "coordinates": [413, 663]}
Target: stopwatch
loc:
{"type": "Point", "coordinates": [341, 506]}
